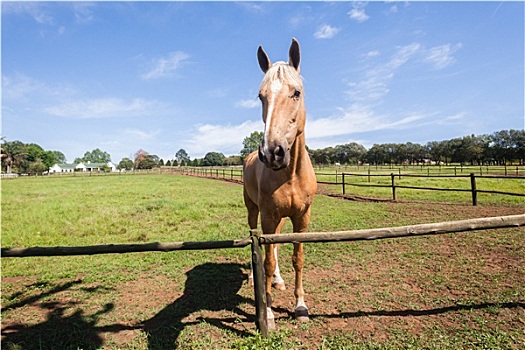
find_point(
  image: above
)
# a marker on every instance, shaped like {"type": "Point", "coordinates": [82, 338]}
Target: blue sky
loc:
{"type": "Point", "coordinates": [161, 76]}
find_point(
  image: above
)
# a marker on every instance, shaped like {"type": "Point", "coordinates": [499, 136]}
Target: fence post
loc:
{"type": "Point", "coordinates": [473, 189]}
{"type": "Point", "coordinates": [393, 186]}
{"type": "Point", "coordinates": [258, 284]}
{"type": "Point", "coordinates": [343, 175]}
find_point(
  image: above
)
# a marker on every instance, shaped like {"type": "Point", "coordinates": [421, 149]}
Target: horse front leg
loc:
{"type": "Point", "coordinates": [301, 310]}
{"type": "Point", "coordinates": [270, 225]}
{"type": "Point", "coordinates": [253, 217]}
{"type": "Point", "coordinates": [278, 282]}
{"type": "Point", "coordinates": [269, 270]}
{"type": "Point", "coordinates": [300, 224]}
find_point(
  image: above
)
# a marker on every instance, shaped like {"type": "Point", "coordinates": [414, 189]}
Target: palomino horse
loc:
{"type": "Point", "coordinates": [279, 180]}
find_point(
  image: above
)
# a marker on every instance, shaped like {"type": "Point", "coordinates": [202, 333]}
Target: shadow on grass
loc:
{"type": "Point", "coordinates": [408, 312]}
{"type": "Point", "coordinates": [209, 287]}
{"type": "Point", "coordinates": [61, 329]}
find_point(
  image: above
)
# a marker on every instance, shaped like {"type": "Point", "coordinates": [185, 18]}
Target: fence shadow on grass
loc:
{"type": "Point", "coordinates": [409, 312]}
{"type": "Point", "coordinates": [209, 287]}
{"type": "Point", "coordinates": [61, 329]}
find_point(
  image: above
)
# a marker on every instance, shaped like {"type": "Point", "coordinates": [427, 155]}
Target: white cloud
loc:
{"type": "Point", "coordinates": [356, 120]}
{"type": "Point", "coordinates": [83, 12]}
{"type": "Point", "coordinates": [19, 87]}
{"type": "Point", "coordinates": [35, 10]}
{"type": "Point", "coordinates": [373, 53]}
{"type": "Point", "coordinates": [326, 32]}
{"type": "Point", "coordinates": [357, 13]}
{"type": "Point", "coordinates": [166, 66]}
{"type": "Point", "coordinates": [140, 134]}
{"type": "Point", "coordinates": [441, 56]}
{"type": "Point", "coordinates": [220, 138]}
{"type": "Point", "coordinates": [375, 81]}
{"type": "Point", "coordinates": [254, 103]}
{"type": "Point", "coordinates": [102, 108]}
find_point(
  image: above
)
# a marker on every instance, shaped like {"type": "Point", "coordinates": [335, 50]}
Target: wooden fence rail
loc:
{"type": "Point", "coordinates": [256, 240]}
{"type": "Point", "coordinates": [393, 185]}
{"type": "Point", "coordinates": [122, 248]}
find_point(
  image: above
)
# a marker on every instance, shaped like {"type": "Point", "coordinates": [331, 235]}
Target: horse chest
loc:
{"type": "Point", "coordinates": [288, 198]}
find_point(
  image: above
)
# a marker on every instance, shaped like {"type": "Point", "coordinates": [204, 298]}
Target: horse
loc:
{"type": "Point", "coordinates": [279, 180]}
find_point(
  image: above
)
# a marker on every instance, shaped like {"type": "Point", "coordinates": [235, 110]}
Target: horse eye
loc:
{"type": "Point", "coordinates": [296, 94]}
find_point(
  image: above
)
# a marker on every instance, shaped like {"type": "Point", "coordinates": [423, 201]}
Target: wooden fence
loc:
{"type": "Point", "coordinates": [342, 179]}
{"type": "Point", "coordinates": [393, 185]}
{"type": "Point", "coordinates": [257, 239]}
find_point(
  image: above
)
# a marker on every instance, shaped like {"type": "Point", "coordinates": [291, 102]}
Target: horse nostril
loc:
{"type": "Point", "coordinates": [261, 155]}
{"type": "Point", "coordinates": [279, 151]}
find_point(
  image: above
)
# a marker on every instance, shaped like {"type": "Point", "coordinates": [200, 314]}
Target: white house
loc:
{"type": "Point", "coordinates": [69, 168]}
{"type": "Point", "coordinates": [62, 168]}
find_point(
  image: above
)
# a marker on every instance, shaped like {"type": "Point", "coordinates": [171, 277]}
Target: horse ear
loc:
{"type": "Point", "coordinates": [294, 55]}
{"type": "Point", "coordinates": [264, 61]}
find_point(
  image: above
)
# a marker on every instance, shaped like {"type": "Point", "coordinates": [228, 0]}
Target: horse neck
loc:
{"type": "Point", "coordinates": [297, 154]}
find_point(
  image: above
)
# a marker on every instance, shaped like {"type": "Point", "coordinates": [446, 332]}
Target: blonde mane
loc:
{"type": "Point", "coordinates": [283, 72]}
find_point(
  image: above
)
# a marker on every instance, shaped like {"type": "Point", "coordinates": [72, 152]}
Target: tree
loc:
{"type": "Point", "coordinates": [182, 156]}
{"type": "Point", "coordinates": [125, 164]}
{"type": "Point", "coordinates": [95, 156]}
{"type": "Point", "coordinates": [251, 143]}
{"type": "Point", "coordinates": [213, 159]}
{"type": "Point", "coordinates": [233, 160]}
{"type": "Point", "coordinates": [14, 156]}
{"type": "Point", "coordinates": [144, 160]}
{"type": "Point", "coordinates": [59, 157]}
{"type": "Point", "coordinates": [37, 167]}
{"type": "Point", "coordinates": [28, 158]}
{"type": "Point", "coordinates": [349, 153]}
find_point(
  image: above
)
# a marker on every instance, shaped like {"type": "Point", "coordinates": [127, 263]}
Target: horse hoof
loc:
{"type": "Point", "coordinates": [279, 286]}
{"type": "Point", "coordinates": [301, 314]}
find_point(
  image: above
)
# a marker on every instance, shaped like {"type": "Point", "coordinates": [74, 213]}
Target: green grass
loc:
{"type": "Point", "coordinates": [457, 291]}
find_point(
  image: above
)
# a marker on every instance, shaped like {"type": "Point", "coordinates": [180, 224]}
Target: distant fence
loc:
{"type": "Point", "coordinates": [344, 179]}
{"type": "Point", "coordinates": [256, 240]}
{"type": "Point", "coordinates": [393, 185]}
{"type": "Point", "coordinates": [428, 169]}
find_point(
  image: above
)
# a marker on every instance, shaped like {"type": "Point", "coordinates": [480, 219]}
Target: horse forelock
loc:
{"type": "Point", "coordinates": [283, 72]}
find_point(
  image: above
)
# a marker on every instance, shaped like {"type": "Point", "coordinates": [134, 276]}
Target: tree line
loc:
{"type": "Point", "coordinates": [498, 148]}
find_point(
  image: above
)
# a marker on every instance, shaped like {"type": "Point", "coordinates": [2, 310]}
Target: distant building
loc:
{"type": "Point", "coordinates": [69, 168]}
{"type": "Point", "coordinates": [62, 168]}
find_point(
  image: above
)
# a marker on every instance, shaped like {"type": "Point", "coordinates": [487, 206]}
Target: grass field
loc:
{"type": "Point", "coordinates": [458, 291]}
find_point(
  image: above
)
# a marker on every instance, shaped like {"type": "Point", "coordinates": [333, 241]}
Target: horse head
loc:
{"type": "Point", "coordinates": [283, 111]}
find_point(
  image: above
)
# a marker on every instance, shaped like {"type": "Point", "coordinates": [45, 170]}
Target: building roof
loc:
{"type": "Point", "coordinates": [66, 166]}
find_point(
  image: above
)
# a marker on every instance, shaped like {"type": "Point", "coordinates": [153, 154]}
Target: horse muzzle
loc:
{"type": "Point", "coordinates": [276, 156]}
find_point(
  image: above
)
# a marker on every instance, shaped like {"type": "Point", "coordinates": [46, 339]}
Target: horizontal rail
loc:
{"type": "Point", "coordinates": [405, 175]}
{"type": "Point", "coordinates": [501, 192]}
{"type": "Point", "coordinates": [122, 248]}
{"type": "Point", "coordinates": [434, 188]}
{"type": "Point", "coordinates": [355, 235]}
{"type": "Point", "coordinates": [401, 231]}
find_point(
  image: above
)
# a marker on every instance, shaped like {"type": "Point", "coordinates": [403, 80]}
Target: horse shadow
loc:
{"type": "Point", "coordinates": [209, 287]}
{"type": "Point", "coordinates": [61, 329]}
